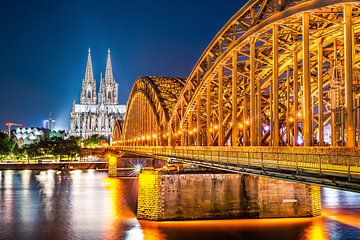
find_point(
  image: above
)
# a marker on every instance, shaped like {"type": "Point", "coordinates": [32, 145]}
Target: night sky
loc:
{"type": "Point", "coordinates": [43, 48]}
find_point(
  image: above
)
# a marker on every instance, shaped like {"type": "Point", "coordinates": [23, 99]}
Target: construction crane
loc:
{"type": "Point", "coordinates": [10, 124]}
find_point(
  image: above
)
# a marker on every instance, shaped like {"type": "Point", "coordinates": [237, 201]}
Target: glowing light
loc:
{"type": "Point", "coordinates": [299, 115]}
{"type": "Point", "coordinates": [210, 130]}
{"type": "Point", "coordinates": [148, 137]}
{"type": "Point", "coordinates": [143, 138]}
{"type": "Point", "coordinates": [247, 122]}
{"type": "Point", "coordinates": [216, 127]}
{"type": "Point", "coordinates": [191, 132]}
{"type": "Point", "coordinates": [167, 134]}
{"type": "Point", "coordinates": [137, 168]}
{"type": "Point", "coordinates": [179, 132]}
{"type": "Point", "coordinates": [241, 125]}
{"type": "Point", "coordinates": [266, 128]}
{"type": "Point", "coordinates": [194, 130]}
{"type": "Point", "coordinates": [291, 119]}
{"type": "Point", "coordinates": [154, 135]}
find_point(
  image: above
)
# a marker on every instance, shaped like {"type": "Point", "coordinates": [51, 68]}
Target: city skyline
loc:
{"type": "Point", "coordinates": [57, 40]}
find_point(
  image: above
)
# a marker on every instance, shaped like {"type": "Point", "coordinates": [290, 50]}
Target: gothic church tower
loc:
{"type": "Point", "coordinates": [96, 115]}
{"type": "Point", "coordinates": [88, 89]}
{"type": "Point", "coordinates": [108, 92]}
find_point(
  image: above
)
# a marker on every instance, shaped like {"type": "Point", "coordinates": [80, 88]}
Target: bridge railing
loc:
{"type": "Point", "coordinates": [320, 163]}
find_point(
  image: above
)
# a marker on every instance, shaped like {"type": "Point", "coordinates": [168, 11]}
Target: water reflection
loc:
{"type": "Point", "coordinates": [89, 205]}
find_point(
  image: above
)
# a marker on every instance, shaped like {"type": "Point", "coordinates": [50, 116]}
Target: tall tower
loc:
{"type": "Point", "coordinates": [108, 93]}
{"type": "Point", "coordinates": [88, 90]}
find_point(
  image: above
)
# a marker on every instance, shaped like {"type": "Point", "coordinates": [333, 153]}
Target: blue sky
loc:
{"type": "Point", "coordinates": [43, 48]}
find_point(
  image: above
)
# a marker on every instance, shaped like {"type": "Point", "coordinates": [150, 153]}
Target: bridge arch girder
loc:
{"type": "Point", "coordinates": [264, 80]}
{"type": "Point", "coordinates": [150, 102]}
{"type": "Point", "coordinates": [325, 20]}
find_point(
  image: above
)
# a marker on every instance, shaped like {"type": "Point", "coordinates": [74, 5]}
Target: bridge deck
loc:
{"type": "Point", "coordinates": [335, 167]}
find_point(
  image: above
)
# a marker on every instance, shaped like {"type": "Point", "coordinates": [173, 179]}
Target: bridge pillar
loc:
{"type": "Point", "coordinates": [198, 120]}
{"type": "Point", "coordinates": [112, 169]}
{"type": "Point", "coordinates": [174, 196]}
{"type": "Point", "coordinates": [320, 93]}
{"type": "Point", "coordinates": [296, 103]}
{"type": "Point", "coordinates": [275, 89]}
{"type": "Point", "coordinates": [307, 109]}
{"type": "Point", "coordinates": [348, 54]}
{"type": "Point", "coordinates": [220, 108]}
{"type": "Point", "coordinates": [253, 119]}
{"type": "Point", "coordinates": [234, 98]}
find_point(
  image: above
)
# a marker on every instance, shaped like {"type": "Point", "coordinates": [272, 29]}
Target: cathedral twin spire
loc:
{"type": "Point", "coordinates": [108, 92]}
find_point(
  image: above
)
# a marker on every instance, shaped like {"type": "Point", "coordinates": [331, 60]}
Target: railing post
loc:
{"type": "Point", "coordinates": [349, 168]}
{"type": "Point", "coordinates": [248, 159]}
{"type": "Point", "coordinates": [296, 161]}
{"type": "Point", "coordinates": [237, 157]}
{"type": "Point", "coordinates": [227, 157]}
{"type": "Point", "coordinates": [278, 156]}
{"type": "Point", "coordinates": [320, 164]}
{"type": "Point", "coordinates": [262, 161]}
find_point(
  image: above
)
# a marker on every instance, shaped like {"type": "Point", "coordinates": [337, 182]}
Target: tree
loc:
{"type": "Point", "coordinates": [32, 150]}
{"type": "Point", "coordinates": [6, 145]}
{"type": "Point", "coordinates": [93, 141]}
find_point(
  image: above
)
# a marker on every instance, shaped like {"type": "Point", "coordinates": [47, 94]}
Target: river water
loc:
{"type": "Point", "coordinates": [89, 205]}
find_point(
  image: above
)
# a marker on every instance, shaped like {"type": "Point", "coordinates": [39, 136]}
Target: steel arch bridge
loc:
{"type": "Point", "coordinates": [279, 73]}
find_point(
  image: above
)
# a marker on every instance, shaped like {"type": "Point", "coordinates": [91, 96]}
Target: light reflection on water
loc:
{"type": "Point", "coordinates": [89, 205]}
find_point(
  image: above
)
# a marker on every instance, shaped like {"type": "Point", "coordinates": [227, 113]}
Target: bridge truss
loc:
{"type": "Point", "coordinates": [279, 73]}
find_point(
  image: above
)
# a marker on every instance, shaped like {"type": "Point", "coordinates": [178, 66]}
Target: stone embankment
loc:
{"type": "Point", "coordinates": [54, 166]}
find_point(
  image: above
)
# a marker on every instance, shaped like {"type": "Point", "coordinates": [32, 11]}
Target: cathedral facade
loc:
{"type": "Point", "coordinates": [97, 112]}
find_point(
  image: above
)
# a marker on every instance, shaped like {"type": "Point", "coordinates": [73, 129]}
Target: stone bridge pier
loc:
{"type": "Point", "coordinates": [190, 195]}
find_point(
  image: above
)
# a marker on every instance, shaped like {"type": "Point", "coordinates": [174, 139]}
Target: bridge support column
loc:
{"type": "Point", "coordinates": [190, 129]}
{"type": "Point", "coordinates": [208, 112]}
{"type": "Point", "coordinates": [253, 119]}
{"type": "Point", "coordinates": [348, 54]}
{"type": "Point", "coordinates": [234, 97]}
{"type": "Point", "coordinates": [112, 169]}
{"type": "Point", "coordinates": [320, 93]}
{"type": "Point", "coordinates": [307, 120]}
{"type": "Point", "coordinates": [275, 89]}
{"type": "Point", "coordinates": [220, 108]}
{"type": "Point", "coordinates": [296, 109]}
{"type": "Point", "coordinates": [198, 120]}
{"type": "Point", "coordinates": [172, 196]}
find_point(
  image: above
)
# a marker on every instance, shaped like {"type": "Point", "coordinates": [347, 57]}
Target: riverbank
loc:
{"type": "Point", "coordinates": [54, 166]}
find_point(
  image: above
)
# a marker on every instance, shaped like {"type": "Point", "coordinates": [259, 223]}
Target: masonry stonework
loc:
{"type": "Point", "coordinates": [171, 196]}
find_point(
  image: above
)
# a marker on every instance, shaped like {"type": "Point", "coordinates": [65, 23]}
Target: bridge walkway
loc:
{"type": "Point", "coordinates": [328, 166]}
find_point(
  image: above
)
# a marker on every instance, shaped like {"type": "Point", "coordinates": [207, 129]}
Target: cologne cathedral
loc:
{"type": "Point", "coordinates": [97, 112]}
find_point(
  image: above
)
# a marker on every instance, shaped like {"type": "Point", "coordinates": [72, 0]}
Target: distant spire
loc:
{"type": "Point", "coordinates": [89, 76]}
{"type": "Point", "coordinates": [101, 82]}
{"type": "Point", "coordinates": [108, 72]}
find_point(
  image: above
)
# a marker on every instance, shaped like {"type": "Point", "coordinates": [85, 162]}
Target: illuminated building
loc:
{"type": "Point", "coordinates": [96, 114]}
{"type": "Point", "coordinates": [49, 123]}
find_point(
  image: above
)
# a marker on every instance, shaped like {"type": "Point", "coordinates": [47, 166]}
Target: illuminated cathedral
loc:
{"type": "Point", "coordinates": [97, 112]}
